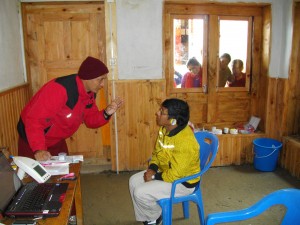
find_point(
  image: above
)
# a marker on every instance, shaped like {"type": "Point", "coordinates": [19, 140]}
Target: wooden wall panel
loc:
{"type": "Point", "coordinates": [293, 105]}
{"type": "Point", "coordinates": [235, 149]}
{"type": "Point", "coordinates": [232, 107]}
{"type": "Point", "coordinates": [290, 155]}
{"type": "Point", "coordinates": [260, 92]}
{"type": "Point", "coordinates": [289, 106]}
{"type": "Point", "coordinates": [11, 105]}
{"type": "Point", "coordinates": [136, 122]}
{"type": "Point", "coordinates": [276, 105]}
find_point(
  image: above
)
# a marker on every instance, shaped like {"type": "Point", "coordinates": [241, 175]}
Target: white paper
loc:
{"type": "Point", "coordinates": [254, 121]}
{"type": "Point", "coordinates": [68, 159]}
{"type": "Point", "coordinates": [57, 168]}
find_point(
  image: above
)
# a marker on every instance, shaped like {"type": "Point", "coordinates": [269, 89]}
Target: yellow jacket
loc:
{"type": "Point", "coordinates": [176, 156]}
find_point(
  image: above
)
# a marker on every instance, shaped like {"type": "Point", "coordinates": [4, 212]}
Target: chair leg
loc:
{"type": "Point", "coordinates": [166, 212]}
{"type": "Point", "coordinates": [186, 209]}
{"type": "Point", "coordinates": [201, 213]}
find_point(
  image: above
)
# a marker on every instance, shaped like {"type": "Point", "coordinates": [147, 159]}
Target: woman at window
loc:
{"type": "Point", "coordinates": [239, 76]}
{"type": "Point", "coordinates": [194, 77]}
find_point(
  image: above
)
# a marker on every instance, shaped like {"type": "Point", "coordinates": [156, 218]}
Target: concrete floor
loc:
{"type": "Point", "coordinates": [106, 199]}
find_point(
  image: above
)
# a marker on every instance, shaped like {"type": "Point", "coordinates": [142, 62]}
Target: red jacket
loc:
{"type": "Point", "coordinates": [191, 80]}
{"type": "Point", "coordinates": [57, 110]}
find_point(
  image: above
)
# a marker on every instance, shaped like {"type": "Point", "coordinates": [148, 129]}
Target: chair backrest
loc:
{"type": "Point", "coordinates": [289, 197]}
{"type": "Point", "coordinates": [209, 144]}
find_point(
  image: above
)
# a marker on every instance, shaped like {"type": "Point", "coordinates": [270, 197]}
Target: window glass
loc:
{"type": "Point", "coordinates": [188, 49]}
{"type": "Point", "coordinates": [234, 52]}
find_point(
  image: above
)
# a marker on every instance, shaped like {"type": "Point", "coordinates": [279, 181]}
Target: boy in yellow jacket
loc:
{"type": "Point", "coordinates": [176, 155]}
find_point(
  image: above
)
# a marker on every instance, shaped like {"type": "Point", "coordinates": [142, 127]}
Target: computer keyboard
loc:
{"type": "Point", "coordinates": [37, 198]}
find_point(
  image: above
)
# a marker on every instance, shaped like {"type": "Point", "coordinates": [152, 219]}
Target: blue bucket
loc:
{"type": "Point", "coordinates": [266, 152]}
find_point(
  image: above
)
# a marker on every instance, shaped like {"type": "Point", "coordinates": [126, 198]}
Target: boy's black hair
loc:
{"type": "Point", "coordinates": [177, 109]}
{"type": "Point", "coordinates": [227, 56]}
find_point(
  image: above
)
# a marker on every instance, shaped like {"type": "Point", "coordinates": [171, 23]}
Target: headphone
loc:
{"type": "Point", "coordinates": [173, 122]}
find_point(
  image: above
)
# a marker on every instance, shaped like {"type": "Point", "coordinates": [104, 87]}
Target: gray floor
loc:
{"type": "Point", "coordinates": [106, 199]}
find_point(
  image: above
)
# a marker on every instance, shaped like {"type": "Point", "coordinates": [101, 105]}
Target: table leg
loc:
{"type": "Point", "coordinates": [78, 202]}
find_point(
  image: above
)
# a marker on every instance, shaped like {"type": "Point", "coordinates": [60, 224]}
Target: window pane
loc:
{"type": "Point", "coordinates": [188, 44]}
{"type": "Point", "coordinates": [233, 42]}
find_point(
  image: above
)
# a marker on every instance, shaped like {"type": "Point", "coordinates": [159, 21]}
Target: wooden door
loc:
{"type": "Point", "coordinates": [58, 37]}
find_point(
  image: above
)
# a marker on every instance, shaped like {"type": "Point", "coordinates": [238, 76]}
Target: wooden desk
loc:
{"type": "Point", "coordinates": [73, 195]}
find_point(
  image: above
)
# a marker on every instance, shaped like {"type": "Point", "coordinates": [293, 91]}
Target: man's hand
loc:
{"type": "Point", "coordinates": [148, 175]}
{"type": "Point", "coordinates": [42, 155]}
{"type": "Point", "coordinates": [114, 106]}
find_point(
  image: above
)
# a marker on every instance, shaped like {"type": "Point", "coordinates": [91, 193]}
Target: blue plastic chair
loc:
{"type": "Point", "coordinates": [290, 198]}
{"type": "Point", "coordinates": [209, 145]}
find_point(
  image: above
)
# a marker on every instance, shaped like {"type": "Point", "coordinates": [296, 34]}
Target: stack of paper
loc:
{"type": "Point", "coordinates": [68, 159]}
{"type": "Point", "coordinates": [55, 168]}
{"type": "Point", "coordinates": [59, 167]}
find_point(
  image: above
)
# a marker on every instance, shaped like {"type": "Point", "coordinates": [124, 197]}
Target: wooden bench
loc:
{"type": "Point", "coordinates": [236, 149]}
{"type": "Point", "coordinates": [290, 155]}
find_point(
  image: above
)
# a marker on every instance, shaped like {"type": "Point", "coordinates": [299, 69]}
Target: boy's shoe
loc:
{"type": "Point", "coordinates": [149, 222]}
{"type": "Point", "coordinates": [155, 222]}
{"type": "Point", "coordinates": [159, 221]}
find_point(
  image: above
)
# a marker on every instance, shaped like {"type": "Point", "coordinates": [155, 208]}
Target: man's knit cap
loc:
{"type": "Point", "coordinates": [92, 68]}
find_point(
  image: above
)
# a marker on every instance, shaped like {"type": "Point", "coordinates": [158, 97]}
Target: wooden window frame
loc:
{"type": "Point", "coordinates": [191, 10]}
{"type": "Point", "coordinates": [248, 61]}
{"type": "Point", "coordinates": [170, 64]}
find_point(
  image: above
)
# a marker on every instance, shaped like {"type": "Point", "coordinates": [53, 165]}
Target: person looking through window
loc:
{"type": "Point", "coordinates": [224, 71]}
{"type": "Point", "coordinates": [239, 76]}
{"type": "Point", "coordinates": [193, 78]}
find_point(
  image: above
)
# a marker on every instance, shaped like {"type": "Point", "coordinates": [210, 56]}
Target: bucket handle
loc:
{"type": "Point", "coordinates": [265, 156]}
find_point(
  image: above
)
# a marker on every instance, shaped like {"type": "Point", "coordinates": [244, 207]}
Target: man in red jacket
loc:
{"type": "Point", "coordinates": [57, 110]}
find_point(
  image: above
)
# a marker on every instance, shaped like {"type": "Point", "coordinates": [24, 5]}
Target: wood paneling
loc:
{"type": "Point", "coordinates": [213, 8]}
{"type": "Point", "coordinates": [261, 90]}
{"type": "Point", "coordinates": [293, 104]}
{"type": "Point", "coordinates": [235, 149]}
{"type": "Point", "coordinates": [287, 104]}
{"type": "Point", "coordinates": [283, 97]}
{"type": "Point", "coordinates": [11, 105]}
{"type": "Point", "coordinates": [290, 155]}
{"type": "Point", "coordinates": [136, 122]}
{"type": "Point", "coordinates": [275, 107]}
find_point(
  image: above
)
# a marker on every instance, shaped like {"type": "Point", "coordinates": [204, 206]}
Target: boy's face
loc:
{"type": "Point", "coordinates": [162, 117]}
{"type": "Point", "coordinates": [224, 62]}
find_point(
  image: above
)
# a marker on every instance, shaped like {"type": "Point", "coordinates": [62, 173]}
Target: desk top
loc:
{"type": "Point", "coordinates": [63, 217]}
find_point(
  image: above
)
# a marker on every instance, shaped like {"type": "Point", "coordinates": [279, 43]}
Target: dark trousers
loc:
{"type": "Point", "coordinates": [25, 150]}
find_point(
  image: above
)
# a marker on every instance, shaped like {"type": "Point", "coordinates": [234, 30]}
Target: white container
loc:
{"type": "Point", "coordinates": [62, 156]}
{"type": "Point", "coordinates": [226, 130]}
{"type": "Point", "coordinates": [218, 131]}
{"type": "Point", "coordinates": [233, 131]}
{"type": "Point", "coordinates": [213, 129]}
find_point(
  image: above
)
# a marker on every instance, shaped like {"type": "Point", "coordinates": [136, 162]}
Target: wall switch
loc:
{"type": "Point", "coordinates": [113, 61]}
